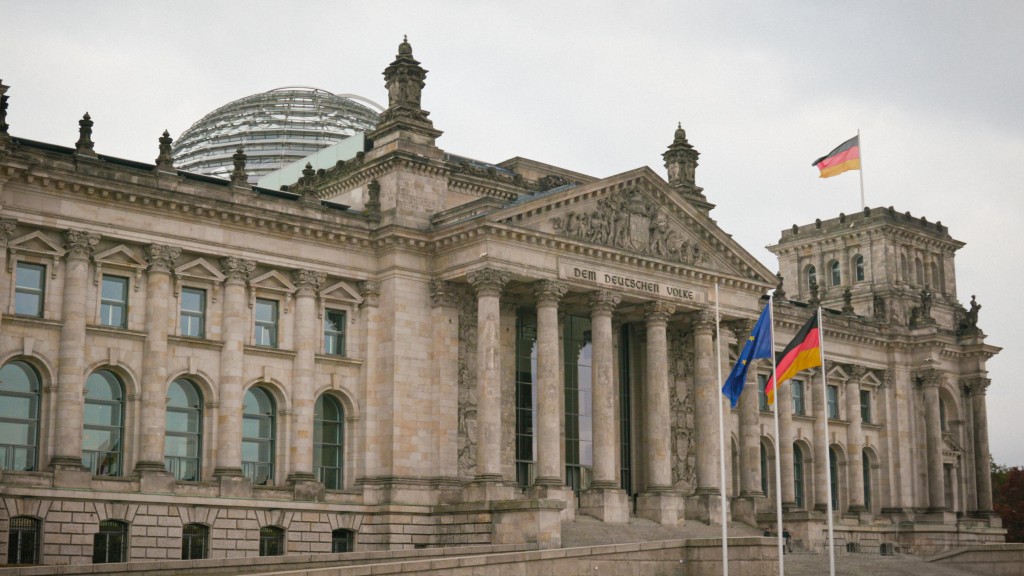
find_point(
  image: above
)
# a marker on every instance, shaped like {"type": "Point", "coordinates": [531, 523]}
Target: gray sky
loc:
{"type": "Point", "coordinates": [762, 89]}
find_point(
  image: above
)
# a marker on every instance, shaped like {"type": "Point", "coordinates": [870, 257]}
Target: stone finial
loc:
{"type": "Point", "coordinates": [681, 160]}
{"type": "Point", "coordinates": [165, 161]}
{"type": "Point", "coordinates": [84, 146]}
{"type": "Point", "coordinates": [404, 78]}
{"type": "Point", "coordinates": [3, 108]}
{"type": "Point", "coordinates": [848, 302]}
{"type": "Point", "coordinates": [780, 291]}
{"type": "Point", "coordinates": [238, 175]}
{"type": "Point", "coordinates": [372, 206]}
{"type": "Point", "coordinates": [815, 300]}
{"type": "Point", "coordinates": [161, 257]}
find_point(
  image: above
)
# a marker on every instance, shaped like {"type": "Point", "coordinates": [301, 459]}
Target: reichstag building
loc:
{"type": "Point", "coordinates": [409, 348]}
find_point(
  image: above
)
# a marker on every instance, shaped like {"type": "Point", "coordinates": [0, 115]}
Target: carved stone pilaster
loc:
{"type": "Point", "coordinates": [308, 281]}
{"type": "Point", "coordinates": [370, 292]}
{"type": "Point", "coordinates": [236, 269]}
{"type": "Point", "coordinates": [84, 146]}
{"type": "Point", "coordinates": [372, 206]}
{"type": "Point", "coordinates": [161, 257]}
{"type": "Point", "coordinates": [444, 293]}
{"type": "Point", "coordinates": [165, 161]}
{"type": "Point", "coordinates": [488, 282]}
{"type": "Point", "coordinates": [604, 301]}
{"type": "Point", "coordinates": [79, 244]}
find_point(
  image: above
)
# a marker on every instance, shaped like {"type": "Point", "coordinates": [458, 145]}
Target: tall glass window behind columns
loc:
{"type": "Point", "coordinates": [183, 441]}
{"type": "Point", "coordinates": [798, 476]}
{"type": "Point", "coordinates": [103, 424]}
{"type": "Point", "coordinates": [526, 395]}
{"type": "Point", "coordinates": [866, 465]}
{"type": "Point", "coordinates": [328, 442]}
{"type": "Point", "coordinates": [579, 439]}
{"type": "Point", "coordinates": [833, 477]}
{"type": "Point", "coordinates": [19, 416]}
{"type": "Point", "coordinates": [625, 422]}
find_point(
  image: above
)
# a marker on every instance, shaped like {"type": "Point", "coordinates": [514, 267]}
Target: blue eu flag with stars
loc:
{"type": "Point", "coordinates": [758, 345]}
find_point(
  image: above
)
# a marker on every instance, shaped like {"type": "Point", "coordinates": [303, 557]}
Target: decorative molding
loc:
{"type": "Point", "coordinates": [928, 378]}
{"type": "Point", "coordinates": [658, 311]}
{"type": "Point", "coordinates": [307, 282]}
{"type": "Point", "coordinates": [603, 302]}
{"type": "Point", "coordinates": [443, 294]}
{"type": "Point", "coordinates": [236, 269]}
{"type": "Point", "coordinates": [488, 281]}
{"type": "Point", "coordinates": [80, 244]}
{"type": "Point", "coordinates": [161, 257]}
{"type": "Point", "coordinates": [549, 291]}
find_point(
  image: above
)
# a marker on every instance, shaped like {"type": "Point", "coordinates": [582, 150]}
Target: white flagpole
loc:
{"type": "Point", "coordinates": [778, 457]}
{"type": "Point", "coordinates": [721, 440]}
{"type": "Point", "coordinates": [828, 455]}
{"type": "Point", "coordinates": [860, 152]}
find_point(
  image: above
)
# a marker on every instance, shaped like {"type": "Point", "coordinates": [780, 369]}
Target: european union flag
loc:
{"type": "Point", "coordinates": [759, 345]}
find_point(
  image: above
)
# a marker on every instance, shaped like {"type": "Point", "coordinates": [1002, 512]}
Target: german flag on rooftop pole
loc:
{"type": "Point", "coordinates": [845, 157]}
{"type": "Point", "coordinates": [803, 352]}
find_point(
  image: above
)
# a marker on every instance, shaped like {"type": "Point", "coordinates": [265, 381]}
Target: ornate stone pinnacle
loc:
{"type": "Point", "coordinates": [603, 302]}
{"type": "Point", "coordinates": [404, 79]}
{"type": "Point", "coordinates": [681, 161]}
{"type": "Point", "coordinates": [238, 174]}
{"type": "Point", "coordinates": [80, 244]}
{"type": "Point", "coordinates": [308, 281]}
{"type": "Point", "coordinates": [3, 107]}
{"type": "Point", "coordinates": [549, 291]}
{"type": "Point", "coordinates": [488, 282]}
{"type": "Point", "coordinates": [780, 292]}
{"type": "Point", "coordinates": [161, 257]}
{"type": "Point", "coordinates": [814, 300]}
{"type": "Point", "coordinates": [236, 269]}
{"type": "Point", "coordinates": [848, 302]}
{"type": "Point", "coordinates": [85, 144]}
{"type": "Point", "coordinates": [372, 205]}
{"type": "Point", "coordinates": [165, 160]}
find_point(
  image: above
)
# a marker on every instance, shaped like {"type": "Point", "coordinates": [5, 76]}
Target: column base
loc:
{"type": "Point", "coordinates": [154, 478]}
{"type": "Point", "coordinates": [233, 485]}
{"type": "Point", "coordinates": [706, 507]}
{"type": "Point", "coordinates": [941, 516]}
{"type": "Point", "coordinates": [744, 509]}
{"type": "Point", "coordinates": [662, 506]}
{"type": "Point", "coordinates": [488, 489]}
{"type": "Point", "coordinates": [68, 472]}
{"type": "Point", "coordinates": [606, 504]}
{"type": "Point", "coordinates": [556, 492]}
{"type": "Point", "coordinates": [535, 522]}
{"type": "Point", "coordinates": [305, 488]}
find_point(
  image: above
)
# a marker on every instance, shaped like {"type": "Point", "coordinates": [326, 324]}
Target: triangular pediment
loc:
{"type": "Point", "coordinates": [199, 269]}
{"type": "Point", "coordinates": [869, 379]}
{"type": "Point", "coordinates": [637, 214]}
{"type": "Point", "coordinates": [836, 372]}
{"type": "Point", "coordinates": [36, 243]}
{"type": "Point", "coordinates": [274, 281]}
{"type": "Point", "coordinates": [120, 255]}
{"type": "Point", "coordinates": [341, 292]}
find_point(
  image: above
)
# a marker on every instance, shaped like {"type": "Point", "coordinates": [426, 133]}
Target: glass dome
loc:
{"type": "Point", "coordinates": [275, 128]}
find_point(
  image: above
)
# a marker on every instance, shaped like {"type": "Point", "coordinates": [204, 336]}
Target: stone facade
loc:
{"type": "Point", "coordinates": [415, 349]}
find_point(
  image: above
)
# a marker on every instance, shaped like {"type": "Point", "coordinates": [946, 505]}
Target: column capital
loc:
{"type": "Point", "coordinates": [658, 311]}
{"type": "Point", "coordinates": [370, 291]}
{"type": "Point", "coordinates": [488, 281]}
{"type": "Point", "coordinates": [7, 226]}
{"type": "Point", "coordinates": [604, 302]}
{"type": "Point", "coordinates": [236, 269]}
{"type": "Point", "coordinates": [741, 329]}
{"type": "Point", "coordinates": [549, 291]}
{"type": "Point", "coordinates": [857, 372]}
{"type": "Point", "coordinates": [977, 386]}
{"type": "Point", "coordinates": [308, 281]}
{"type": "Point", "coordinates": [703, 319]}
{"type": "Point", "coordinates": [161, 257]}
{"type": "Point", "coordinates": [443, 293]}
{"type": "Point", "coordinates": [80, 244]}
{"type": "Point", "coordinates": [928, 378]}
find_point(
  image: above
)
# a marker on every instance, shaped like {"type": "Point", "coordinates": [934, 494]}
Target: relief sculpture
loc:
{"type": "Point", "coordinates": [467, 384]}
{"type": "Point", "coordinates": [684, 462]}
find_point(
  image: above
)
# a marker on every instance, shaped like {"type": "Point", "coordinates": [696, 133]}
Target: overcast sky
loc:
{"type": "Point", "coordinates": [762, 89]}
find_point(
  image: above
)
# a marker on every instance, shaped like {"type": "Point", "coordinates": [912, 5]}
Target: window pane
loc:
{"type": "Point", "coordinates": [28, 304]}
{"type": "Point", "coordinates": [114, 288]}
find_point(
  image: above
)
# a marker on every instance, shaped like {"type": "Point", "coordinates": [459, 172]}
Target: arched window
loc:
{"type": "Point", "coordinates": [23, 540]}
{"type": "Point", "coordinates": [110, 544]}
{"type": "Point", "coordinates": [905, 268]}
{"type": "Point", "coordinates": [812, 276]}
{"type": "Point", "coordinates": [103, 424]}
{"type": "Point", "coordinates": [919, 270]}
{"type": "Point", "coordinates": [271, 541]}
{"type": "Point", "coordinates": [835, 273]}
{"type": "Point", "coordinates": [195, 541]}
{"type": "Point", "coordinates": [866, 459]}
{"type": "Point", "coordinates": [183, 442]}
{"type": "Point", "coordinates": [342, 540]}
{"type": "Point", "coordinates": [798, 476]}
{"type": "Point", "coordinates": [764, 471]}
{"type": "Point", "coordinates": [858, 268]}
{"type": "Point", "coordinates": [833, 478]}
{"type": "Point", "coordinates": [19, 416]}
{"type": "Point", "coordinates": [942, 415]}
{"type": "Point", "coordinates": [328, 442]}
{"type": "Point", "coordinates": [258, 420]}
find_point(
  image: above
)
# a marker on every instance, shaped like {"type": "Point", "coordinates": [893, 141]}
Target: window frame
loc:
{"type": "Point", "coordinates": [270, 441]}
{"type": "Point", "coordinates": [105, 536]}
{"type": "Point", "coordinates": [197, 315]}
{"type": "Point", "coordinates": [269, 327]}
{"type": "Point", "coordinates": [798, 477]}
{"type": "Point", "coordinates": [319, 446]}
{"type": "Point", "coordinates": [339, 337]}
{"type": "Point", "coordinates": [32, 291]}
{"type": "Point", "coordinates": [343, 535]}
{"type": "Point", "coordinates": [762, 395]}
{"type": "Point", "coordinates": [32, 421]}
{"type": "Point", "coordinates": [799, 398]}
{"type": "Point", "coordinates": [832, 402]}
{"type": "Point", "coordinates": [811, 275]}
{"type": "Point", "coordinates": [272, 541]}
{"type": "Point", "coordinates": [858, 268]}
{"type": "Point", "coordinates": [107, 304]}
{"type": "Point", "coordinates": [835, 273]}
{"type": "Point", "coordinates": [188, 541]}
{"type": "Point", "coordinates": [16, 543]}
{"type": "Point", "coordinates": [94, 466]}
{"type": "Point", "coordinates": [173, 463]}
{"type": "Point", "coordinates": [865, 406]}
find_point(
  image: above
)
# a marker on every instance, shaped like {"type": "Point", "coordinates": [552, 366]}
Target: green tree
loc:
{"type": "Point", "coordinates": [1008, 499]}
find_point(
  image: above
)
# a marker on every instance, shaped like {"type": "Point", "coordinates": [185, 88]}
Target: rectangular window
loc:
{"type": "Point", "coordinates": [193, 312]}
{"type": "Point", "coordinates": [797, 386]}
{"type": "Point", "coordinates": [334, 332]}
{"type": "Point", "coordinates": [266, 323]}
{"type": "Point", "coordinates": [832, 402]}
{"type": "Point", "coordinates": [29, 286]}
{"type": "Point", "coordinates": [762, 396]}
{"type": "Point", "coordinates": [865, 406]}
{"type": "Point", "coordinates": [114, 302]}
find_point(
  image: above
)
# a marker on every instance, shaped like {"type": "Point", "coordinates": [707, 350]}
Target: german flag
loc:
{"type": "Point", "coordinates": [803, 352]}
{"type": "Point", "coordinates": [845, 157]}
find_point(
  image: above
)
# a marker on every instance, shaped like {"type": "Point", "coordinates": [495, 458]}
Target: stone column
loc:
{"type": "Point", "coordinates": [982, 457]}
{"type": "Point", "coordinates": [705, 412]}
{"type": "Point", "coordinates": [549, 392]}
{"type": "Point", "coordinates": [70, 371]}
{"type": "Point", "coordinates": [784, 404]}
{"type": "Point", "coordinates": [821, 441]}
{"type": "Point", "coordinates": [930, 380]}
{"type": "Point", "coordinates": [307, 335]}
{"type": "Point", "coordinates": [657, 502]}
{"type": "Point", "coordinates": [232, 356]}
{"type": "Point", "coordinates": [488, 284]}
{"type": "Point", "coordinates": [855, 440]}
{"type": "Point", "coordinates": [159, 314]}
{"type": "Point", "coordinates": [750, 437]}
{"type": "Point", "coordinates": [605, 500]}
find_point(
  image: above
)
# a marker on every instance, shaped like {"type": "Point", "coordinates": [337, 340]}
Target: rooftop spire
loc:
{"type": "Point", "coordinates": [3, 107]}
{"type": "Point", "coordinates": [165, 161]}
{"type": "Point", "coordinates": [238, 175]}
{"type": "Point", "coordinates": [405, 78]}
{"type": "Point", "coordinates": [85, 144]}
{"type": "Point", "coordinates": [681, 162]}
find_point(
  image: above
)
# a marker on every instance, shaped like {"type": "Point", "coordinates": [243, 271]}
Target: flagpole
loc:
{"type": "Point", "coordinates": [778, 457]}
{"type": "Point", "coordinates": [860, 146]}
{"type": "Point", "coordinates": [721, 439]}
{"type": "Point", "coordinates": [828, 455]}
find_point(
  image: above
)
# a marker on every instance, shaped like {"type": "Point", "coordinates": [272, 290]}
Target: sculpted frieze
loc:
{"type": "Point", "coordinates": [629, 220]}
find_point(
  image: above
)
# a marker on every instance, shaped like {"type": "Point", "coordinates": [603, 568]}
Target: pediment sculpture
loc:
{"type": "Point", "coordinates": [629, 220]}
